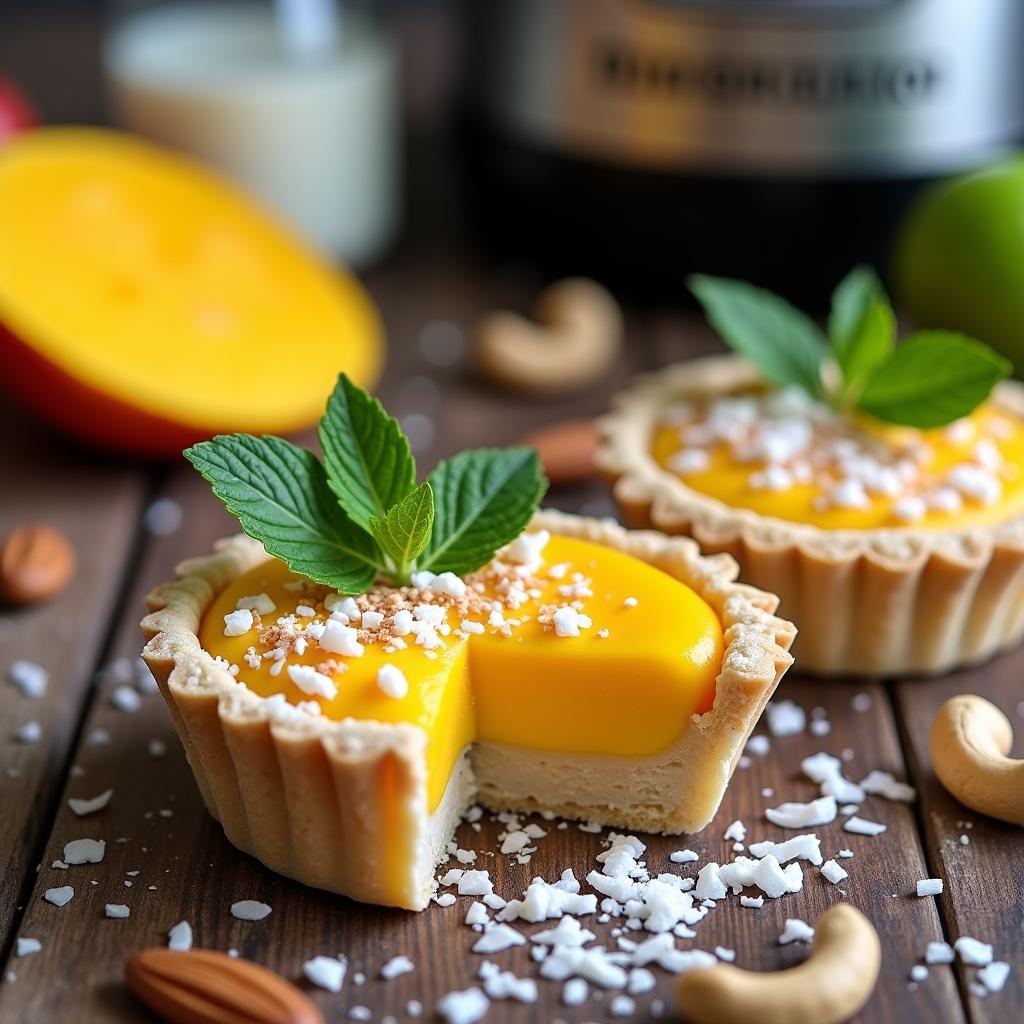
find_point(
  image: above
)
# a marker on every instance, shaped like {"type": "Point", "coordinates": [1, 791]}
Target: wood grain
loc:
{"type": "Point", "coordinates": [431, 290]}
{"type": "Point", "coordinates": [983, 894]}
{"type": "Point", "coordinates": [197, 874]}
{"type": "Point", "coordinates": [97, 506]}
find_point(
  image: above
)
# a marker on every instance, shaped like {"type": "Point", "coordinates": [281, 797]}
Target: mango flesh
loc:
{"type": "Point", "coordinates": [958, 260]}
{"type": "Point", "coordinates": [145, 303]}
{"type": "Point", "coordinates": [631, 693]}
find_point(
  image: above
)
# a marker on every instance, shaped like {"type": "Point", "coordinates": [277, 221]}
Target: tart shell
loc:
{"type": "Point", "coordinates": [309, 797]}
{"type": "Point", "coordinates": [874, 602]}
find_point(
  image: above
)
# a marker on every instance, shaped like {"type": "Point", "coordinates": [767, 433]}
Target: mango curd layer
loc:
{"type": "Point", "coordinates": [785, 459]}
{"type": "Point", "coordinates": [645, 659]}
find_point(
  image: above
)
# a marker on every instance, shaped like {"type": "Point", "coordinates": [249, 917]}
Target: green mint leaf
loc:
{"type": "Point", "coordinates": [279, 494]}
{"type": "Point", "coordinates": [861, 326]}
{"type": "Point", "coordinates": [403, 533]}
{"type": "Point", "coordinates": [369, 463]}
{"type": "Point", "coordinates": [933, 378]}
{"type": "Point", "coordinates": [871, 345]}
{"type": "Point", "coordinates": [482, 500]}
{"type": "Point", "coordinates": [850, 300]}
{"type": "Point", "coordinates": [783, 343]}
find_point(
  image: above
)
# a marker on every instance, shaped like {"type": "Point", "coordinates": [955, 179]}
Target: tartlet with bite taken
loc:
{"type": "Point", "coordinates": [377, 655]}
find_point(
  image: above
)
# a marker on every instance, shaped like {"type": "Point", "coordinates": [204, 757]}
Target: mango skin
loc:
{"type": "Point", "coordinates": [958, 258]}
{"type": "Point", "coordinates": [87, 415]}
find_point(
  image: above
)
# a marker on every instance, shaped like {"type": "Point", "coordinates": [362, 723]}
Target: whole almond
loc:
{"type": "Point", "coordinates": [566, 450]}
{"type": "Point", "coordinates": [36, 562]}
{"type": "Point", "coordinates": [205, 987]}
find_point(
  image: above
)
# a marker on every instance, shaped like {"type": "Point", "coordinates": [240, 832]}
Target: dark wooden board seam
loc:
{"type": "Point", "coordinates": [58, 784]}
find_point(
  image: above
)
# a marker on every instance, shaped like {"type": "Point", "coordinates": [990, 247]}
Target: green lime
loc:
{"type": "Point", "coordinates": [958, 260]}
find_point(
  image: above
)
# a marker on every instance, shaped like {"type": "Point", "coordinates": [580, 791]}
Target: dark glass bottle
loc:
{"type": "Point", "coordinates": [773, 140]}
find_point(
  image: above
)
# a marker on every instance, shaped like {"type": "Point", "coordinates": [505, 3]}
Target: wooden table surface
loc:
{"type": "Point", "coordinates": [155, 824]}
{"type": "Point", "coordinates": [168, 861]}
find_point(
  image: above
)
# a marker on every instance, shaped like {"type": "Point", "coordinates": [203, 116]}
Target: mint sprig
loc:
{"type": "Point", "coordinates": [359, 515]}
{"type": "Point", "coordinates": [930, 379]}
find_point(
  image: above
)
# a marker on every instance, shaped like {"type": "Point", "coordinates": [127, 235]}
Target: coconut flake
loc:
{"type": "Point", "coordinates": [496, 937]}
{"type": "Point", "coordinates": [802, 847]}
{"type": "Point", "coordinates": [993, 976]}
{"type": "Point", "coordinates": [972, 951]}
{"type": "Point", "coordinates": [126, 699]}
{"type": "Point", "coordinates": [939, 953]}
{"type": "Point", "coordinates": [396, 967]}
{"type": "Point", "coordinates": [863, 827]}
{"type": "Point", "coordinates": [797, 815]}
{"type": "Point", "coordinates": [179, 938]}
{"type": "Point", "coordinates": [326, 972]}
{"type": "Point", "coordinates": [785, 718]}
{"type": "Point", "coordinates": [84, 851]}
{"type": "Point", "coordinates": [828, 772]}
{"type": "Point", "coordinates": [465, 1007]}
{"type": "Point", "coordinates": [795, 931]}
{"type": "Point", "coordinates": [250, 910]}
{"type": "Point", "coordinates": [833, 872]}
{"type": "Point", "coordinates": [30, 678]}
{"type": "Point", "coordinates": [82, 807]}
{"type": "Point", "coordinates": [238, 622]}
{"type": "Point", "coordinates": [316, 684]}
{"type": "Point", "coordinates": [884, 784]}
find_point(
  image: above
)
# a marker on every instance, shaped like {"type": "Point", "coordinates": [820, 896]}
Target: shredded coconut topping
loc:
{"type": "Point", "coordinates": [791, 442]}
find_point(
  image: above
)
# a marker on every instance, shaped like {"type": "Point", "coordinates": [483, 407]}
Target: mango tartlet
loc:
{"type": "Point", "coordinates": [586, 670]}
{"type": "Point", "coordinates": [896, 550]}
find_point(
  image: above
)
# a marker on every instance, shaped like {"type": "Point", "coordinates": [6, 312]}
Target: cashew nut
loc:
{"type": "Point", "coordinates": [831, 985]}
{"type": "Point", "coordinates": [970, 741]}
{"type": "Point", "coordinates": [576, 339]}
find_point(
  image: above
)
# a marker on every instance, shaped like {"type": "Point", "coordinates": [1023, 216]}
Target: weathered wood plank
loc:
{"type": "Point", "coordinates": [984, 880]}
{"type": "Point", "coordinates": [97, 505]}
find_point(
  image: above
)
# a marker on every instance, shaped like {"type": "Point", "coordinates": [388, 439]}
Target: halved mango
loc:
{"type": "Point", "coordinates": [145, 303]}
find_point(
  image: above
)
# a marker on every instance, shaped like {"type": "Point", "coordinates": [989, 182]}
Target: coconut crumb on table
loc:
{"type": "Point", "coordinates": [325, 972]}
{"type": "Point", "coordinates": [179, 938]}
{"type": "Point", "coordinates": [59, 896]}
{"type": "Point", "coordinates": [31, 679]}
{"type": "Point", "coordinates": [250, 910]}
{"type": "Point", "coordinates": [82, 807]}
{"type": "Point", "coordinates": [396, 967]}
{"type": "Point", "coordinates": [863, 827]}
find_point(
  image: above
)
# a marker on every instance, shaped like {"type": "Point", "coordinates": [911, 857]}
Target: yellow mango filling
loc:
{"type": "Point", "coordinates": [645, 658]}
{"type": "Point", "coordinates": [780, 455]}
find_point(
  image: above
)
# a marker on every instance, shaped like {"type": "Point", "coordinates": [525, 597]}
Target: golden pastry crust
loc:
{"type": "Point", "coordinates": [309, 796]}
{"type": "Point", "coordinates": [875, 602]}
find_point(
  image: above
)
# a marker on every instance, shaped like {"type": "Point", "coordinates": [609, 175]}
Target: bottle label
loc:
{"type": "Point", "coordinates": [829, 88]}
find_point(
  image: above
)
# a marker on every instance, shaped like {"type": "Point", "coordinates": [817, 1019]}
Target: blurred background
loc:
{"type": "Point", "coordinates": [631, 141]}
